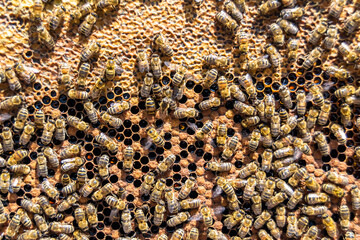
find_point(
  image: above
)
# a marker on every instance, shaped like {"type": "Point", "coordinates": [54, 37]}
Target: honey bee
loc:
{"type": "Point", "coordinates": [249, 188]}
{"type": "Point", "coordinates": [81, 176]}
{"type": "Point", "coordinates": [86, 26]}
{"type": "Point", "coordinates": [275, 57]}
{"type": "Point", "coordinates": [147, 184]}
{"type": "Point", "coordinates": [266, 160]}
{"type": "Point", "coordinates": [303, 128]}
{"type": "Point", "coordinates": [234, 12]}
{"type": "Point", "coordinates": [244, 108]}
{"type": "Point", "coordinates": [142, 220]}
{"type": "Point", "coordinates": [336, 8]}
{"type": "Point", "coordinates": [4, 217]}
{"type": "Point", "coordinates": [284, 115]}
{"type": "Point", "coordinates": [276, 200]}
{"type": "Point", "coordinates": [14, 83]}
{"type": "Point", "coordinates": [269, 6]}
{"type": "Point", "coordinates": [30, 235]}
{"type": "Point", "coordinates": [303, 222]}
{"type": "Point", "coordinates": [83, 73]}
{"type": "Point", "coordinates": [155, 64]}
{"type": "Point", "coordinates": [178, 234]}
{"type": "Point", "coordinates": [26, 135]}
{"type": "Point", "coordinates": [164, 46]}
{"type": "Point", "coordinates": [312, 117]}
{"type": "Point", "coordinates": [329, 224]}
{"type": "Point", "coordinates": [345, 217]}
{"type": "Point", "coordinates": [311, 58]}
{"type": "Point", "coordinates": [114, 122]}
{"type": "Point", "coordinates": [71, 163]}
{"type": "Point", "coordinates": [237, 93]}
{"type": "Point", "coordinates": [218, 61]}
{"type": "Point", "coordinates": [190, 203]}
{"type": "Point", "coordinates": [210, 78]}
{"type": "Point", "coordinates": [256, 207]}
{"type": "Point", "coordinates": [37, 9]}
{"type": "Point", "coordinates": [4, 181]}
{"type": "Point", "coordinates": [118, 107]}
{"type": "Point", "coordinates": [77, 94]}
{"type": "Point", "coordinates": [65, 77]}
{"type": "Point", "coordinates": [352, 23]}
{"type": "Point", "coordinates": [21, 169]}
{"type": "Point", "coordinates": [91, 112]}
{"type": "Point", "coordinates": [110, 69]}
{"type": "Point", "coordinates": [126, 221]}
{"type": "Point", "coordinates": [225, 19]}
{"type": "Point", "coordinates": [102, 192]}
{"type": "Point", "coordinates": [292, 13]}
{"type": "Point", "coordinates": [17, 156]}
{"type": "Point", "coordinates": [293, 46]}
{"type": "Point", "coordinates": [210, 103]}
{"type": "Point", "coordinates": [11, 102]}
{"type": "Point", "coordinates": [278, 34]}
{"type": "Point", "coordinates": [45, 38]}
{"type": "Point", "coordinates": [355, 197]}
{"type": "Point", "coordinates": [316, 198]}
{"type": "Point", "coordinates": [255, 139]}
{"type": "Point", "coordinates": [70, 151]}
{"type": "Point", "coordinates": [58, 227]}
{"type": "Point", "coordinates": [46, 207]}
{"type": "Point", "coordinates": [287, 26]}
{"type": "Point", "coordinates": [180, 113]}
{"type": "Point", "coordinates": [15, 184]}
{"type": "Point", "coordinates": [92, 49]}
{"type": "Point", "coordinates": [42, 165]}
{"type": "Point", "coordinates": [29, 206]}
{"type": "Point", "coordinates": [68, 202]}
{"type": "Point", "coordinates": [322, 143]}
{"type": "Point", "coordinates": [187, 188]}
{"type": "Point", "coordinates": [77, 123]}
{"type": "Point", "coordinates": [143, 62]}
{"type": "Point", "coordinates": [41, 223]}
{"type": "Point", "coordinates": [78, 235]}
{"type": "Point", "coordinates": [218, 167]}
{"type": "Point", "coordinates": [158, 190]}
{"type": "Point", "coordinates": [339, 133]}
{"type": "Point", "coordinates": [345, 91]}
{"type": "Point", "coordinates": [337, 72]}
{"type": "Point", "coordinates": [275, 124]}
{"type": "Point", "coordinates": [324, 112]}
{"type": "Point", "coordinates": [193, 234]}
{"type": "Point", "coordinates": [216, 235]}
{"type": "Point", "coordinates": [89, 187]}
{"type": "Point", "coordinates": [171, 201]}
{"type": "Point", "coordinates": [247, 83]}
{"type": "Point", "coordinates": [243, 41]}
{"type": "Point", "coordinates": [333, 190]}
{"type": "Point", "coordinates": [318, 98]}
{"type": "Point", "coordinates": [155, 136]}
{"type": "Point", "coordinates": [264, 235]}
{"type": "Point", "coordinates": [80, 218]}
{"type": "Point", "coordinates": [303, 147]}
{"type": "Point", "coordinates": [103, 4]}
{"type": "Point", "coordinates": [331, 37]}
{"type": "Point", "coordinates": [349, 235]}
{"type": "Point", "coordinates": [24, 218]}
{"type": "Point", "coordinates": [337, 178]}
{"type": "Point", "coordinates": [313, 211]}
{"type": "Point", "coordinates": [49, 129]}
{"type": "Point", "coordinates": [80, 12]}
{"type": "Point", "coordinates": [165, 164]}
{"type": "Point", "coordinates": [292, 225]}
{"type": "Point", "coordinates": [206, 215]}
{"type": "Point", "coordinates": [221, 135]}
{"type": "Point", "coordinates": [248, 170]}
{"type": "Point", "coordinates": [49, 189]}
{"type": "Point", "coordinates": [284, 187]}
{"type": "Point", "coordinates": [346, 115]}
{"type": "Point", "coordinates": [245, 226]}
{"type": "Point", "coordinates": [148, 84]}
{"type": "Point", "coordinates": [24, 73]}
{"type": "Point", "coordinates": [65, 179]}
{"type": "Point", "coordinates": [159, 213]}
{"type": "Point", "coordinates": [56, 18]}
{"type": "Point", "coordinates": [150, 106]}
{"type": "Point", "coordinates": [316, 34]}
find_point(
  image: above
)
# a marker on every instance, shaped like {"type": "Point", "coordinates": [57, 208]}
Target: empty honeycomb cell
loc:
{"type": "Point", "coordinates": [152, 155]}
{"type": "Point", "coordinates": [182, 126]}
{"type": "Point", "coordinates": [184, 154]}
{"type": "Point", "coordinates": [206, 93]}
{"type": "Point", "coordinates": [230, 104]}
{"type": "Point", "coordinates": [127, 132]}
{"type": "Point", "coordinates": [165, 80]}
{"type": "Point", "coordinates": [144, 160]}
{"type": "Point", "coordinates": [357, 175]}
{"type": "Point", "coordinates": [342, 157]}
{"type": "Point", "coordinates": [129, 179]}
{"type": "Point", "coordinates": [275, 87]}
{"type": "Point", "coordinates": [350, 170]}
{"type": "Point", "coordinates": [120, 137]}
{"type": "Point", "coordinates": [183, 100]}
{"type": "Point", "coordinates": [198, 89]}
{"type": "Point", "coordinates": [190, 131]}
{"type": "Point", "coordinates": [192, 167]}
{"type": "Point", "coordinates": [191, 148]}
{"type": "Point", "coordinates": [137, 183]}
{"type": "Point", "coordinates": [113, 178]}
{"type": "Point", "coordinates": [63, 108]}
{"type": "Point", "coordinates": [341, 148]}
{"type": "Point", "coordinates": [190, 84]}
{"type": "Point", "coordinates": [326, 167]}
{"type": "Point", "coordinates": [38, 105]}
{"type": "Point", "coordinates": [260, 86]}
{"type": "Point", "coordinates": [128, 141]}
{"type": "Point", "coordinates": [159, 150]}
{"type": "Point", "coordinates": [333, 153]}
{"type": "Point", "coordinates": [176, 177]}
{"type": "Point", "coordinates": [37, 86]}
{"type": "Point", "coordinates": [145, 198]}
{"type": "Point", "coordinates": [46, 100]}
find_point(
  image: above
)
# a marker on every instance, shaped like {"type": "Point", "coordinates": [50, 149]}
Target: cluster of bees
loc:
{"type": "Point", "coordinates": [285, 199]}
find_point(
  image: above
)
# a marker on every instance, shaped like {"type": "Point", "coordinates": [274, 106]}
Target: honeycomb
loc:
{"type": "Point", "coordinates": [192, 33]}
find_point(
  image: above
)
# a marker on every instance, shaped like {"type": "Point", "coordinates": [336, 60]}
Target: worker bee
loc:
{"type": "Point", "coordinates": [333, 190]}
{"type": "Point", "coordinates": [14, 83]}
{"type": "Point", "coordinates": [118, 107]}
{"type": "Point", "coordinates": [337, 72]}
{"type": "Point", "coordinates": [346, 115]}
{"type": "Point", "coordinates": [210, 78]}
{"type": "Point", "coordinates": [80, 12]}
{"type": "Point", "coordinates": [221, 135]}
{"type": "Point", "coordinates": [284, 187]}
{"type": "Point", "coordinates": [336, 8]}
{"type": "Point", "coordinates": [126, 221]}
{"type": "Point", "coordinates": [287, 26]}
{"type": "Point", "coordinates": [295, 198]}
{"type": "Point", "coordinates": [77, 94]}
{"type": "Point", "coordinates": [311, 58]}
{"type": "Point", "coordinates": [317, 33]}
{"type": "Point", "coordinates": [355, 197]}
{"type": "Point", "coordinates": [89, 187]}
{"type": "Point", "coordinates": [291, 230]}
{"type": "Point", "coordinates": [250, 121]}
{"type": "Point", "coordinates": [24, 217]}
{"type": "Point", "coordinates": [103, 4]}
{"type": "Point", "coordinates": [29, 130]}
{"type": "Point", "coordinates": [237, 93]}
{"type": "Point", "coordinates": [345, 91]}
{"type": "Point", "coordinates": [243, 41]}
{"type": "Point", "coordinates": [165, 164]}
{"type": "Point", "coordinates": [256, 206]}
{"type": "Point", "coordinates": [148, 84]}
{"type": "Point", "coordinates": [77, 123]}
{"type": "Point", "coordinates": [278, 34]}
{"type": "Point", "coordinates": [58, 227]}
{"type": "Point", "coordinates": [70, 151]}
{"type": "Point", "coordinates": [349, 235]}
{"type": "Point", "coordinates": [254, 140]}
{"type": "Point", "coordinates": [80, 218]}
{"type": "Point", "coordinates": [275, 124]}
{"type": "Point", "coordinates": [42, 165]}
{"type": "Point", "coordinates": [155, 64]}
{"type": "Point", "coordinates": [180, 113]}
{"type": "Point", "coordinates": [143, 62]}
{"type": "Point", "coordinates": [24, 73]}
{"type": "Point", "coordinates": [324, 112]}
{"type": "Point", "coordinates": [86, 26]}
{"type": "Point", "coordinates": [339, 133]}
{"type": "Point", "coordinates": [102, 192]}
{"type": "Point", "coordinates": [301, 102]}
{"type": "Point", "coordinates": [267, 156]}
{"type": "Point", "coordinates": [284, 116]}
{"type": "Point", "coordinates": [193, 234]}
{"type": "Point", "coordinates": [92, 49]}
{"type": "Point", "coordinates": [91, 112]}
{"type": "Point", "coordinates": [65, 179]}
{"type": "Point", "coordinates": [284, 93]}
{"type": "Point", "coordinates": [30, 206]}
{"type": "Point", "coordinates": [150, 106]}
{"type": "Point", "coordinates": [303, 127]}
{"type": "Point", "coordinates": [312, 117]}
{"type": "Point", "coordinates": [16, 157]}
{"type": "Point", "coordinates": [276, 200]}
{"type": "Point", "coordinates": [245, 226]}
{"type": "Point", "coordinates": [68, 202]}
{"type": "Point", "coordinates": [37, 9]}
{"type": "Point", "coordinates": [218, 61]}
{"type": "Point", "coordinates": [313, 211]}
{"type": "Point", "coordinates": [46, 207]}
{"type": "Point", "coordinates": [20, 120]}
{"type": "Point", "coordinates": [56, 18]}
{"type": "Point", "coordinates": [15, 184]}
{"type": "Point", "coordinates": [249, 188]}
{"type": "Point", "coordinates": [11, 102]}
{"type": "Point", "coordinates": [171, 201]}
{"type": "Point", "coordinates": [234, 12]}
{"type": "Point", "coordinates": [71, 163]}
{"type": "Point", "coordinates": [83, 73]}
{"type": "Point", "coordinates": [159, 213]}
{"type": "Point", "coordinates": [128, 159]}
{"type": "Point", "coordinates": [45, 38]}
{"type": "Point", "coordinates": [159, 187]}
{"type": "Point", "coordinates": [316, 198]}
{"type": "Point", "coordinates": [247, 83]}
{"type": "Point", "coordinates": [142, 220]}
{"type": "Point", "coordinates": [331, 37]}
{"type": "Point", "coordinates": [337, 178]}
{"type": "Point", "coordinates": [225, 19]}
{"type": "Point", "coordinates": [81, 176]}
{"type": "Point", "coordinates": [178, 234]}
{"type": "Point", "coordinates": [303, 147]}
{"type": "Point", "coordinates": [190, 203]}
{"type": "Point", "coordinates": [275, 56]}
{"type": "Point", "coordinates": [155, 136]}
{"type": "Point", "coordinates": [41, 223]}
{"type": "Point", "coordinates": [248, 170]}
{"type": "Point", "coordinates": [322, 143]}
{"type": "Point", "coordinates": [65, 77]}
{"type": "Point", "coordinates": [293, 46]}
{"type": "Point", "coordinates": [244, 108]}
{"type": "Point", "coordinates": [206, 215]}
{"type": "Point", "coordinates": [187, 188]}
{"type": "Point", "coordinates": [147, 184]}
{"type": "Point", "coordinates": [161, 42]}
{"type": "Point", "coordinates": [114, 122]}
{"type": "Point", "coordinates": [4, 217]}
{"type": "Point", "coordinates": [264, 235]}
{"type": "Point", "coordinates": [345, 217]}
{"type": "Point", "coordinates": [30, 235]}
{"type": "Point", "coordinates": [223, 87]}
{"type": "Point", "coordinates": [49, 129]}
{"type": "Point", "coordinates": [292, 13]}
{"type": "Point", "coordinates": [21, 169]}
{"type": "Point", "coordinates": [218, 167]}
{"type": "Point", "coordinates": [49, 189]}
{"type": "Point", "coordinates": [269, 6]}
{"type": "Point", "coordinates": [110, 69]}
{"type": "Point", "coordinates": [329, 224]}
{"type": "Point", "coordinates": [352, 23]}
{"type": "Point", "coordinates": [318, 98]}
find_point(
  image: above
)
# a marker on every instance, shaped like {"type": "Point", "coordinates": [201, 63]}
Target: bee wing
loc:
{"type": "Point", "coordinates": [309, 97]}
{"type": "Point", "coordinates": [216, 192]}
{"type": "Point", "coordinates": [327, 85]}
{"type": "Point", "coordinates": [69, 160]}
{"type": "Point", "coordinates": [114, 214]}
{"type": "Point", "coordinates": [4, 117]}
{"type": "Point", "coordinates": [218, 210]}
{"type": "Point", "coordinates": [196, 217]}
{"type": "Point", "coordinates": [193, 126]}
{"type": "Point", "coordinates": [34, 70]}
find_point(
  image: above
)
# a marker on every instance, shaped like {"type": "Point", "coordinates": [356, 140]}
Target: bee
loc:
{"type": "Point", "coordinates": [92, 49]}
{"type": "Point", "coordinates": [324, 112]}
{"type": "Point", "coordinates": [114, 122]}
{"type": "Point", "coordinates": [250, 121]}
{"type": "Point", "coordinates": [264, 235]}
{"type": "Point", "coordinates": [161, 42]}
{"type": "Point", "coordinates": [56, 18]}
{"type": "Point", "coordinates": [210, 103]}
{"type": "Point", "coordinates": [243, 41]}
{"type": "Point", "coordinates": [303, 147]}
{"type": "Point", "coordinates": [17, 156]}
{"type": "Point", "coordinates": [244, 108]}
{"type": "Point", "coordinates": [83, 73]}
{"type": "Point", "coordinates": [41, 223]}
{"type": "Point", "coordinates": [46, 207]}
{"type": "Point", "coordinates": [261, 179]}
{"type": "Point", "coordinates": [295, 198]}
{"type": "Point", "coordinates": [275, 57]}
{"type": "Point", "coordinates": [147, 184]}
{"type": "Point", "coordinates": [187, 188]}
{"type": "Point", "coordinates": [336, 8]}
{"type": "Point", "coordinates": [345, 217]}
{"type": "Point", "coordinates": [24, 73]}
{"type": "Point", "coordinates": [206, 215]}
{"type": "Point", "coordinates": [65, 179]}
{"type": "Point", "coordinates": [81, 176]}
{"type": "Point", "coordinates": [224, 87]}
{"type": "Point", "coordinates": [349, 235]}
{"type": "Point", "coordinates": [180, 113]}
{"type": "Point", "coordinates": [78, 235]}
{"type": "Point", "coordinates": [21, 169]}
{"type": "Point", "coordinates": [269, 6]}
{"type": "Point", "coordinates": [11, 102]}
{"type": "Point", "coordinates": [313, 211]}
{"type": "Point", "coordinates": [316, 198]}
{"type": "Point", "coordinates": [80, 218]}
{"type": "Point", "coordinates": [245, 226]}
{"type": "Point", "coordinates": [355, 197]}
{"type": "Point", "coordinates": [68, 202]}
{"type": "Point", "coordinates": [49, 129]}
{"type": "Point", "coordinates": [155, 136]}
{"type": "Point", "coordinates": [126, 221]}
{"type": "Point", "coordinates": [155, 64]}
{"type": "Point", "coordinates": [178, 234]}
{"type": "Point", "coordinates": [70, 151]}
{"type": "Point", "coordinates": [110, 69]}
{"type": "Point", "coordinates": [150, 106]}
{"type": "Point", "coordinates": [225, 19]}
{"type": "Point", "coordinates": [39, 119]}
{"type": "Point", "coordinates": [77, 123]}
{"type": "Point", "coordinates": [331, 37]}
{"type": "Point", "coordinates": [190, 203]}
{"type": "Point", "coordinates": [210, 78]}
{"type": "Point", "coordinates": [293, 46]}
{"type": "Point", "coordinates": [345, 91]}
{"type": "Point", "coordinates": [287, 26]}
{"type": "Point", "coordinates": [275, 124]}
{"type": "Point", "coordinates": [14, 83]}
{"type": "Point", "coordinates": [248, 170]}
{"type": "Point", "coordinates": [4, 181]}
{"type": "Point", "coordinates": [171, 201]}
{"type": "Point", "coordinates": [91, 112]}
{"type": "Point", "coordinates": [159, 213]}
{"type": "Point", "coordinates": [118, 107]}
{"type": "Point", "coordinates": [89, 187]}
{"type": "Point", "coordinates": [71, 163]}
{"type": "Point", "coordinates": [216, 235]}
{"type": "Point", "coordinates": [143, 62]}
{"type": "Point", "coordinates": [142, 220]}
{"type": "Point", "coordinates": [278, 34]}
{"type": "Point", "coordinates": [58, 227]}
{"type": "Point", "coordinates": [158, 189]}
{"type": "Point", "coordinates": [4, 217]}
{"type": "Point", "coordinates": [234, 12]}
{"type": "Point", "coordinates": [247, 83]}
{"type": "Point", "coordinates": [237, 93]}
{"type": "Point", "coordinates": [329, 224]}
{"type": "Point", "coordinates": [45, 38]}
{"type": "Point", "coordinates": [352, 23]}
{"type": "Point", "coordinates": [37, 9]}
{"type": "Point", "coordinates": [80, 12]}
{"type": "Point", "coordinates": [274, 230]}
{"type": "Point", "coordinates": [302, 125]}
{"type": "Point", "coordinates": [102, 192]}
{"type": "Point", "coordinates": [284, 93]}
{"type": "Point", "coordinates": [42, 165]}
{"type": "Point", "coordinates": [225, 186]}
{"type": "Point", "coordinates": [337, 72]}
{"type": "Point", "coordinates": [258, 63]}
{"type": "Point", "coordinates": [13, 227]}
{"type": "Point", "coordinates": [30, 235]}
{"type": "Point", "coordinates": [339, 133]}
{"type": "Point", "coordinates": [24, 218]}
{"type": "Point", "coordinates": [165, 164]}
{"type": "Point", "coordinates": [317, 33]}
{"type": "Point", "coordinates": [333, 190]}
{"type": "Point", "coordinates": [276, 200]}
{"type": "Point", "coordinates": [49, 189]}
{"type": "Point", "coordinates": [266, 160]}
{"type": "Point", "coordinates": [65, 77]}
{"type": "Point", "coordinates": [322, 143]}
{"type": "Point", "coordinates": [146, 87]}
{"type": "Point", "coordinates": [249, 188]}
{"type": "Point", "coordinates": [302, 225]}
{"type": "Point", "coordinates": [106, 3]}
{"type": "Point", "coordinates": [318, 98]}
{"type": "Point", "coordinates": [337, 178]}
{"type": "Point", "coordinates": [255, 139]}
{"type": "Point", "coordinates": [312, 117]}
{"type": "Point", "coordinates": [15, 184]}
{"type": "Point", "coordinates": [256, 207]}
{"type": "Point", "coordinates": [77, 94]}
{"type": "Point", "coordinates": [284, 152]}
{"type": "Point", "coordinates": [86, 26]}
{"type": "Point", "coordinates": [346, 117]}
{"type": "Point", "coordinates": [29, 206]}
{"type": "Point", "coordinates": [311, 58]}
{"type": "Point", "coordinates": [291, 231]}
{"type": "Point", "coordinates": [292, 13]}
{"type": "Point", "coordinates": [218, 61]}
{"type": "Point", "coordinates": [284, 116]}
{"type": "Point", "coordinates": [218, 167]}
{"type": "Point", "coordinates": [193, 234]}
